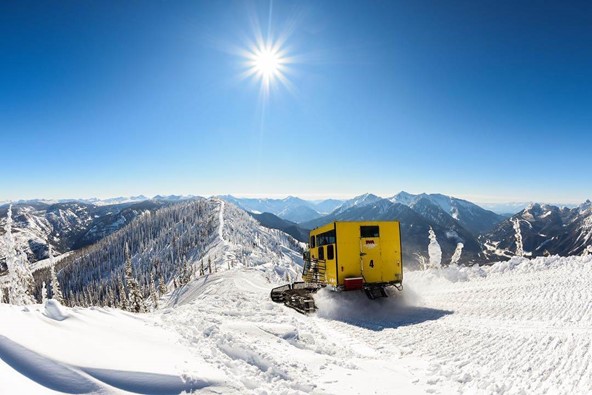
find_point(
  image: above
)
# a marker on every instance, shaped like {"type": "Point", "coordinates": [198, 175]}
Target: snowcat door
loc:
{"type": "Point", "coordinates": [370, 256]}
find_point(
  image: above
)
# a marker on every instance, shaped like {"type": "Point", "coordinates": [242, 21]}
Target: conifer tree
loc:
{"type": "Point", "coordinates": [21, 279]}
{"type": "Point", "coordinates": [110, 297]}
{"type": "Point", "coordinates": [56, 291]}
{"type": "Point", "coordinates": [123, 300]}
{"type": "Point", "coordinates": [153, 295]}
{"type": "Point", "coordinates": [136, 301]}
{"type": "Point", "coordinates": [162, 288]}
{"type": "Point", "coordinates": [3, 295]}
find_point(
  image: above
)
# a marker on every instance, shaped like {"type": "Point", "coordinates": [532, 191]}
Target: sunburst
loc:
{"type": "Point", "coordinates": [268, 63]}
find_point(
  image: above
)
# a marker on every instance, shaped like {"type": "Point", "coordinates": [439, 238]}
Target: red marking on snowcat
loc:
{"type": "Point", "coordinates": [353, 283]}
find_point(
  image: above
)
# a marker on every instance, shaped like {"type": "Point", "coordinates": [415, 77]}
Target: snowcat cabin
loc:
{"type": "Point", "coordinates": [356, 255]}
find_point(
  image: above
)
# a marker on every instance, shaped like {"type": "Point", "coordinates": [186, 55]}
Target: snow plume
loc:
{"type": "Point", "coordinates": [457, 253]}
{"type": "Point", "coordinates": [355, 308]}
{"type": "Point", "coordinates": [434, 250]}
{"type": "Point", "coordinates": [519, 245]}
{"type": "Point", "coordinates": [21, 279]}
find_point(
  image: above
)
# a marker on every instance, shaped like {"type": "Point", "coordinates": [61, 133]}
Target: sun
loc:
{"type": "Point", "coordinates": [267, 62]}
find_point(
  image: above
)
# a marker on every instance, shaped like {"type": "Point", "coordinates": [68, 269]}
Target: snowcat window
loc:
{"type": "Point", "coordinates": [326, 238]}
{"type": "Point", "coordinates": [321, 254]}
{"type": "Point", "coordinates": [312, 242]}
{"type": "Point", "coordinates": [369, 231]}
{"type": "Point", "coordinates": [330, 252]}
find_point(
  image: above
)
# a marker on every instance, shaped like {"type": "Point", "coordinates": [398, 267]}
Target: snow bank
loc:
{"type": "Point", "coordinates": [55, 311]}
{"type": "Point", "coordinates": [454, 273]}
{"type": "Point", "coordinates": [53, 348]}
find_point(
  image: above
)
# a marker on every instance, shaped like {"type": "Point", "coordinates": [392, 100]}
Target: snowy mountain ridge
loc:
{"type": "Point", "coordinates": [68, 225]}
{"type": "Point", "coordinates": [545, 230]}
{"type": "Point", "coordinates": [170, 247]}
{"type": "Point", "coordinates": [290, 208]}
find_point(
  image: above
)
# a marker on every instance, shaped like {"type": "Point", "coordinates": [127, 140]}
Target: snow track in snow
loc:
{"type": "Point", "coordinates": [518, 327]}
{"type": "Point", "coordinates": [525, 327]}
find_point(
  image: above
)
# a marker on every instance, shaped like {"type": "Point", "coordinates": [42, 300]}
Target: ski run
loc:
{"type": "Point", "coordinates": [517, 327]}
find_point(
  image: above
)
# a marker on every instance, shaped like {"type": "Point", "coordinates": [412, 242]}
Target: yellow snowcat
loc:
{"type": "Point", "coordinates": [347, 256]}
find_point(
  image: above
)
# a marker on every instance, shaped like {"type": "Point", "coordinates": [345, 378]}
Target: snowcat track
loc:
{"type": "Point", "coordinates": [297, 296]}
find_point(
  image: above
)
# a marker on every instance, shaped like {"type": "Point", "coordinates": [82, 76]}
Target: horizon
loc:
{"type": "Point", "coordinates": [309, 198]}
{"type": "Point", "coordinates": [485, 102]}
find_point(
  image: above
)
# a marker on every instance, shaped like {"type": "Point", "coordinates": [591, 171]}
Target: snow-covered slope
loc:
{"type": "Point", "coordinates": [521, 326]}
{"type": "Point", "coordinates": [67, 225]}
{"type": "Point", "coordinates": [545, 229]}
{"type": "Point", "coordinates": [50, 349]}
{"type": "Point", "coordinates": [171, 246]}
{"type": "Point", "coordinates": [469, 215]}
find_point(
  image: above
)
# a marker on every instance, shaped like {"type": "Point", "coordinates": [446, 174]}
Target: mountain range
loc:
{"type": "Point", "coordinates": [67, 225]}
{"type": "Point", "coordinates": [544, 230]}
{"type": "Point", "coordinates": [485, 235]}
{"type": "Point", "coordinates": [453, 220]}
{"type": "Point", "coordinates": [291, 208]}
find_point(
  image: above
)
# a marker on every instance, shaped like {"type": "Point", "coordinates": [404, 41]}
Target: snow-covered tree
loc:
{"type": "Point", "coordinates": [56, 291]}
{"type": "Point", "coordinates": [162, 287]}
{"type": "Point", "coordinates": [153, 295]}
{"type": "Point", "coordinates": [136, 301]}
{"type": "Point", "coordinates": [457, 253]}
{"type": "Point", "coordinates": [3, 295]}
{"type": "Point", "coordinates": [422, 261]}
{"type": "Point", "coordinates": [44, 295]}
{"type": "Point", "coordinates": [123, 299]}
{"type": "Point", "coordinates": [20, 277]}
{"type": "Point", "coordinates": [434, 251]}
{"type": "Point", "coordinates": [519, 245]}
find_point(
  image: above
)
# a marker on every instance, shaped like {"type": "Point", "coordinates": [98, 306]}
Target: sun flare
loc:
{"type": "Point", "coordinates": [267, 63]}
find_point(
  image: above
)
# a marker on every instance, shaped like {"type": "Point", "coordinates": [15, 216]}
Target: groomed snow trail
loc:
{"type": "Point", "coordinates": [264, 347]}
{"type": "Point", "coordinates": [524, 328]}
{"type": "Point", "coordinates": [518, 327]}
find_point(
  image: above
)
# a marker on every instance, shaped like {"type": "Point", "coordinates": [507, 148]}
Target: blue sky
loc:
{"type": "Point", "coordinates": [489, 100]}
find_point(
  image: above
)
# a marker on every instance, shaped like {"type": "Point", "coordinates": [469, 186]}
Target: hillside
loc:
{"type": "Point", "coordinates": [170, 247]}
{"type": "Point", "coordinates": [67, 225]}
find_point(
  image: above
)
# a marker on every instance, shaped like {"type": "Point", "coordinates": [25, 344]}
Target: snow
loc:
{"type": "Point", "coordinates": [94, 350]}
{"type": "Point", "coordinates": [55, 311]}
{"type": "Point", "coordinates": [520, 326]}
